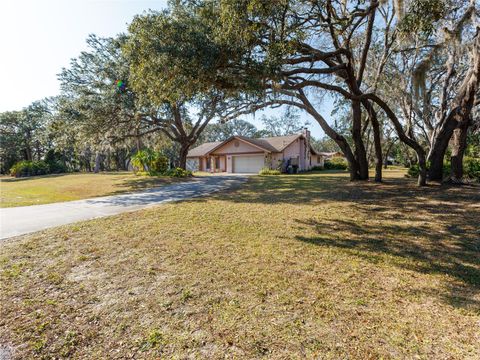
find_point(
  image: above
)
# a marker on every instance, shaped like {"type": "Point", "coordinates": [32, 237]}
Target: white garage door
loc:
{"type": "Point", "coordinates": [248, 164]}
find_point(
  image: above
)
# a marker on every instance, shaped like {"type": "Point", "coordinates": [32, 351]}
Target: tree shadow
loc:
{"type": "Point", "coordinates": [445, 237]}
{"type": "Point", "coordinates": [453, 251]}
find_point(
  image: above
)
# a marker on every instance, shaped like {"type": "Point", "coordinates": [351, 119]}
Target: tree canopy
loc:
{"type": "Point", "coordinates": [404, 78]}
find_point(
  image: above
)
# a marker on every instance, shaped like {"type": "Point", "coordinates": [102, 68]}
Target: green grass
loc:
{"type": "Point", "coordinates": [305, 266]}
{"type": "Point", "coordinates": [66, 187]}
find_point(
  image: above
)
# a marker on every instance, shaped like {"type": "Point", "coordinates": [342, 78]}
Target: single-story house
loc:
{"type": "Point", "coordinates": [240, 154]}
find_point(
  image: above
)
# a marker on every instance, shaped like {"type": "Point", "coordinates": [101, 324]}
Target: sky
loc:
{"type": "Point", "coordinates": [39, 37]}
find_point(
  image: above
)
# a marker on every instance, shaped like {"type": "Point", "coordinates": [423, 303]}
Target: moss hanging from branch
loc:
{"type": "Point", "coordinates": [399, 7]}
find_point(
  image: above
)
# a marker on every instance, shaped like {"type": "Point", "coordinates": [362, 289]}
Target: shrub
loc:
{"type": "Point", "coordinates": [267, 171]}
{"type": "Point", "coordinates": [55, 162]}
{"type": "Point", "coordinates": [414, 170]}
{"type": "Point", "coordinates": [29, 168]}
{"type": "Point", "coordinates": [317, 168]}
{"type": "Point", "coordinates": [471, 168]}
{"type": "Point", "coordinates": [336, 164]}
{"type": "Point", "coordinates": [178, 172]}
{"type": "Point", "coordinates": [150, 161]}
{"type": "Point", "coordinates": [143, 159]}
{"type": "Point", "coordinates": [58, 167]}
{"type": "Point", "coordinates": [159, 164]}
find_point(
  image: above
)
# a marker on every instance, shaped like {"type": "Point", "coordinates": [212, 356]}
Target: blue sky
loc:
{"type": "Point", "coordinates": [39, 37]}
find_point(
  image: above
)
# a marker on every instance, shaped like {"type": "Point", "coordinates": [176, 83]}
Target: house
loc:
{"type": "Point", "coordinates": [240, 154]}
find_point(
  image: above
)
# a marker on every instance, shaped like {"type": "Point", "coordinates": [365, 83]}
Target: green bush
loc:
{"type": "Point", "coordinates": [143, 160]}
{"type": "Point", "coordinates": [55, 162]}
{"type": "Point", "coordinates": [414, 170]}
{"type": "Point", "coordinates": [159, 164]}
{"type": "Point", "coordinates": [317, 168]}
{"type": "Point", "coordinates": [471, 168]}
{"type": "Point", "coordinates": [336, 164]}
{"type": "Point", "coordinates": [29, 168]}
{"type": "Point", "coordinates": [150, 161]}
{"type": "Point", "coordinates": [267, 171]}
{"type": "Point", "coordinates": [178, 172]}
{"type": "Point", "coordinates": [57, 167]}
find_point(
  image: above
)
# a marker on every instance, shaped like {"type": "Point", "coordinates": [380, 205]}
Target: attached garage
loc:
{"type": "Point", "coordinates": [248, 163]}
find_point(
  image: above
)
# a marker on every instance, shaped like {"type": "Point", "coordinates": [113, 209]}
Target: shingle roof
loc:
{"type": "Point", "coordinates": [272, 144]}
{"type": "Point", "coordinates": [203, 149]}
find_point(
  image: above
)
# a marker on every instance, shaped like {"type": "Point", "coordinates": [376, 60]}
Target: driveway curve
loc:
{"type": "Point", "coordinates": [27, 219]}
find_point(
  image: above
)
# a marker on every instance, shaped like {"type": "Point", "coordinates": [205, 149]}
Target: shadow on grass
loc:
{"type": "Point", "coordinates": [455, 253]}
{"type": "Point", "coordinates": [447, 242]}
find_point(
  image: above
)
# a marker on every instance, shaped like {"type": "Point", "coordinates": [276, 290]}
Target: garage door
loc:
{"type": "Point", "coordinates": [248, 164]}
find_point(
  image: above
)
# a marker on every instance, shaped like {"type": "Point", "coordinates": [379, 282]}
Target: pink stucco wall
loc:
{"type": "Point", "coordinates": [295, 150]}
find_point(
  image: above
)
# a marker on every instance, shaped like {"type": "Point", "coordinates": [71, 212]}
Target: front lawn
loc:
{"type": "Point", "coordinates": [285, 267]}
{"type": "Point", "coordinates": [65, 187]}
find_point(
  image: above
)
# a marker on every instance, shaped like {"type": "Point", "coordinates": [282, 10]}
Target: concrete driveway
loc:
{"type": "Point", "coordinates": [26, 219]}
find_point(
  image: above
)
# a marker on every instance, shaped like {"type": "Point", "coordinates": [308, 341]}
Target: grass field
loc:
{"type": "Point", "coordinates": [66, 187]}
{"type": "Point", "coordinates": [285, 267]}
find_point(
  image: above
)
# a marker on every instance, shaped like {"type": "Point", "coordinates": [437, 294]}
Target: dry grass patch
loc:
{"type": "Point", "coordinates": [306, 266]}
{"type": "Point", "coordinates": [65, 187]}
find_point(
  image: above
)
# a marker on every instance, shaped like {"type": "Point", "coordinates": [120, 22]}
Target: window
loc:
{"type": "Point", "coordinates": [217, 163]}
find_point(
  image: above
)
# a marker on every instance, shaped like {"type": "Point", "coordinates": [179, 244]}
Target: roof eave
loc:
{"type": "Point", "coordinates": [238, 138]}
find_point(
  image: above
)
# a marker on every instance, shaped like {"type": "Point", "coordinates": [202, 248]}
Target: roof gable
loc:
{"type": "Point", "coordinates": [279, 143]}
{"type": "Point", "coordinates": [203, 149]}
{"type": "Point", "coordinates": [251, 144]}
{"type": "Point", "coordinates": [269, 144]}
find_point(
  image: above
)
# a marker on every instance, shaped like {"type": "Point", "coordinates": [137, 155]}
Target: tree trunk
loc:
{"type": "Point", "coordinates": [330, 132]}
{"type": "Point", "coordinates": [97, 163]}
{"type": "Point", "coordinates": [360, 153]}
{"type": "Point", "coordinates": [459, 144]}
{"type": "Point", "coordinates": [459, 114]}
{"type": "Point", "coordinates": [411, 142]}
{"type": "Point", "coordinates": [422, 164]}
{"type": "Point", "coordinates": [387, 152]}
{"type": "Point", "coordinates": [376, 139]}
{"type": "Point", "coordinates": [28, 153]}
{"type": "Point", "coordinates": [183, 156]}
{"type": "Point", "coordinates": [438, 150]}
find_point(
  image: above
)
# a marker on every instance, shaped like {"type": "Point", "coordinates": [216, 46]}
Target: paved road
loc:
{"type": "Point", "coordinates": [26, 219]}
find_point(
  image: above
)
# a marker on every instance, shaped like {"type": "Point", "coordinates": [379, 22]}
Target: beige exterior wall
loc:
{"type": "Point", "coordinates": [276, 160]}
{"type": "Point", "coordinates": [237, 146]}
{"type": "Point", "coordinates": [317, 160]}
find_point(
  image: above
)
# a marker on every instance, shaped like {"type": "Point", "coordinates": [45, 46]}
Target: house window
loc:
{"type": "Point", "coordinates": [207, 160]}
